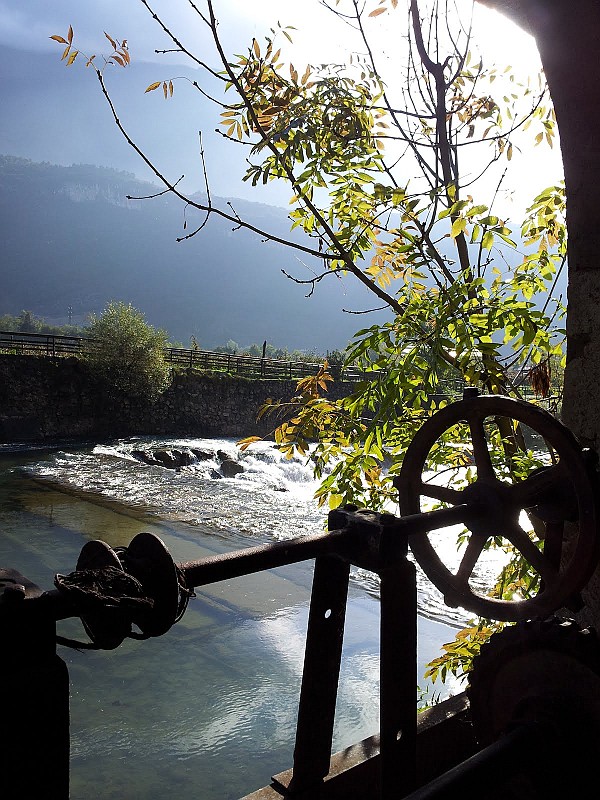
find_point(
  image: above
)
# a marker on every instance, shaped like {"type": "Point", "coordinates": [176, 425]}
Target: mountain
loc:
{"type": "Point", "coordinates": [71, 239]}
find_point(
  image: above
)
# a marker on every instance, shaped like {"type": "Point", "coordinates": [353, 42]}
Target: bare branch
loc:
{"type": "Point", "coordinates": [180, 47]}
{"type": "Point", "coordinates": [172, 187]}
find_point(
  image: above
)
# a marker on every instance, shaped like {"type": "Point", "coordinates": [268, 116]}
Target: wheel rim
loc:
{"type": "Point", "coordinates": [501, 504]}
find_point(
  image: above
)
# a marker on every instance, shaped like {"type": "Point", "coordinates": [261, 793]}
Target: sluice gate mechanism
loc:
{"type": "Point", "coordinates": [533, 704]}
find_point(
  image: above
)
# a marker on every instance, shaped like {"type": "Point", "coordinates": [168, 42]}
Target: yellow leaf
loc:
{"type": "Point", "coordinates": [306, 75]}
{"type": "Point", "coordinates": [165, 89]}
{"type": "Point", "coordinates": [293, 73]}
{"type": "Point", "coordinates": [66, 53]}
{"type": "Point", "coordinates": [111, 40]}
{"type": "Point", "coordinates": [243, 444]}
{"type": "Point", "coordinates": [458, 227]}
{"type": "Point", "coordinates": [119, 60]}
{"type": "Point", "coordinates": [59, 39]}
{"type": "Point", "coordinates": [70, 35]}
{"type": "Point", "coordinates": [171, 88]}
{"type": "Point", "coordinates": [152, 87]}
{"type": "Point", "coordinates": [256, 48]}
{"type": "Point", "coordinates": [377, 12]}
{"type": "Point", "coordinates": [488, 240]}
{"type": "Point", "coordinates": [72, 57]}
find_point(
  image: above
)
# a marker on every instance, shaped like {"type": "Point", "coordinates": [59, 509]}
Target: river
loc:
{"type": "Point", "coordinates": [207, 710]}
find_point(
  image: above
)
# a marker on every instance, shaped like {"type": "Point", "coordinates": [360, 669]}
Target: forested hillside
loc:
{"type": "Point", "coordinates": [70, 238]}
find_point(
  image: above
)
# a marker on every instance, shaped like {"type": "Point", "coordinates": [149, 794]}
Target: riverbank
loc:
{"type": "Point", "coordinates": [45, 399]}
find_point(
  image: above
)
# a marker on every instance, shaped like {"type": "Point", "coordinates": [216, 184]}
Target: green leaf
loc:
{"type": "Point", "coordinates": [458, 226]}
{"type": "Point", "coordinates": [488, 240]}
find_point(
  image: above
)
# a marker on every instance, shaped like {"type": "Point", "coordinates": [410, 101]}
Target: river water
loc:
{"type": "Point", "coordinates": [209, 709]}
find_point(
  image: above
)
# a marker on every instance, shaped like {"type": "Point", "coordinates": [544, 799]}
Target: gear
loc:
{"type": "Point", "coordinates": [537, 671]}
{"type": "Point", "coordinates": [540, 679]}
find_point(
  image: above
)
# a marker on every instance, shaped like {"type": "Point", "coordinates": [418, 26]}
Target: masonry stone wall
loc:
{"type": "Point", "coordinates": [45, 399]}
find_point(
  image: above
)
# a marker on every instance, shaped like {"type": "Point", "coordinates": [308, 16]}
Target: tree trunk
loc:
{"type": "Point", "coordinates": [567, 33]}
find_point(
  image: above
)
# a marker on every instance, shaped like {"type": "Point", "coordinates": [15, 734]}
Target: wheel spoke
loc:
{"type": "Point", "coordinates": [444, 493]}
{"type": "Point", "coordinates": [553, 542]}
{"type": "Point", "coordinates": [536, 488]}
{"type": "Point", "coordinates": [481, 453]}
{"type": "Point", "coordinates": [469, 560]}
{"type": "Point", "coordinates": [519, 538]}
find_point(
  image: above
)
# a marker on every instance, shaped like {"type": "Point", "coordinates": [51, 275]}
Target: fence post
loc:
{"type": "Point", "coordinates": [322, 659]}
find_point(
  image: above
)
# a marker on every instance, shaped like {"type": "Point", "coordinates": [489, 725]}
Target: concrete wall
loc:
{"type": "Point", "coordinates": [42, 399]}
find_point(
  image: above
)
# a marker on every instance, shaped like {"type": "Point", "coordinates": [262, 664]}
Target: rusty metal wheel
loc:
{"type": "Point", "coordinates": [564, 490]}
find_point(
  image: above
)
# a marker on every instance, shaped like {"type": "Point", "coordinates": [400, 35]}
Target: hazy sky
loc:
{"type": "Point", "coordinates": [54, 114]}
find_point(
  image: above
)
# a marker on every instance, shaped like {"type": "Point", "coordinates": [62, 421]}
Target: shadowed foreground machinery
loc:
{"type": "Point", "coordinates": [530, 721]}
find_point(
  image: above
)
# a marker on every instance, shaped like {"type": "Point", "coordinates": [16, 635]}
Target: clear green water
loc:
{"type": "Point", "coordinates": [208, 710]}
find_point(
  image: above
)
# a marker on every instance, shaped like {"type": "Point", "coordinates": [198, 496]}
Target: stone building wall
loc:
{"type": "Point", "coordinates": [42, 399]}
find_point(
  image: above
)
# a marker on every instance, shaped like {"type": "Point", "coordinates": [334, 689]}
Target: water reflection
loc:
{"type": "Point", "coordinates": [209, 709]}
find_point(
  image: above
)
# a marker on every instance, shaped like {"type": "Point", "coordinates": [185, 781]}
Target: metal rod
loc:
{"type": "Point", "coordinates": [256, 559]}
{"type": "Point", "coordinates": [519, 750]}
{"type": "Point", "coordinates": [427, 521]}
{"type": "Point", "coordinates": [345, 542]}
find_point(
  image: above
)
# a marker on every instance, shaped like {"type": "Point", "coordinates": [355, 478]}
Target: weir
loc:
{"type": "Point", "coordinates": [515, 699]}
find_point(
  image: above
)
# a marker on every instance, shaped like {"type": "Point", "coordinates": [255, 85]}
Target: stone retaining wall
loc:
{"type": "Point", "coordinates": [44, 399]}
